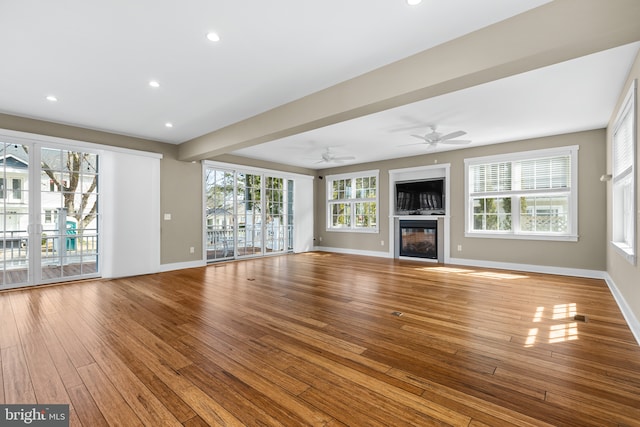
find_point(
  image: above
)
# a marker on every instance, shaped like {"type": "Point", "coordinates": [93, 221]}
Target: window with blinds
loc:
{"type": "Point", "coordinates": [623, 187]}
{"type": "Point", "coordinates": [523, 195]}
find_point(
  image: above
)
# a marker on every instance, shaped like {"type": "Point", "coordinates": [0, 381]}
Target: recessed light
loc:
{"type": "Point", "coordinates": [413, 2]}
{"type": "Point", "coordinates": [52, 98]}
{"type": "Point", "coordinates": [214, 37]}
{"type": "Point", "coordinates": [154, 83]}
{"type": "Point", "coordinates": [168, 124]}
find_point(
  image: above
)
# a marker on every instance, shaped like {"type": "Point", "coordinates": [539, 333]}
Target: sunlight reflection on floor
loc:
{"type": "Point", "coordinates": [561, 332]}
{"type": "Point", "coordinates": [464, 271]}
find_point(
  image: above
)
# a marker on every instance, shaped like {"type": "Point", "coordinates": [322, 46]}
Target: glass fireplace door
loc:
{"type": "Point", "coordinates": [419, 239]}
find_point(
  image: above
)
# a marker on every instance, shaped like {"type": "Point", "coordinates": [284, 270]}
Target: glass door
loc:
{"type": "Point", "coordinates": [48, 214]}
{"type": "Point", "coordinates": [14, 215]}
{"type": "Point", "coordinates": [68, 214]}
{"type": "Point", "coordinates": [275, 224]}
{"type": "Point", "coordinates": [219, 217]}
{"type": "Point", "coordinates": [249, 214]}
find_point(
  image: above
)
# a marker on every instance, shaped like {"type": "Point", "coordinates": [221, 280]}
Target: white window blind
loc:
{"type": "Point", "coordinates": [553, 172]}
{"type": "Point", "coordinates": [623, 191]}
{"type": "Point", "coordinates": [523, 195]}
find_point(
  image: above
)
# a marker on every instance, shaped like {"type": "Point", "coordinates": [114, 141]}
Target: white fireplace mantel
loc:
{"type": "Point", "coordinates": [412, 174]}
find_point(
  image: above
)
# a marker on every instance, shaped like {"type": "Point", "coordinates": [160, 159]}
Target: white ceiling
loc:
{"type": "Point", "coordinates": [98, 57]}
{"type": "Point", "coordinates": [568, 97]}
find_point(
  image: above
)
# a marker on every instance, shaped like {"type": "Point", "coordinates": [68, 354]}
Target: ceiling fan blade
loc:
{"type": "Point", "coordinates": [344, 158]}
{"type": "Point", "coordinates": [422, 137]}
{"type": "Point", "coordinates": [456, 141]}
{"type": "Point", "coordinates": [415, 143]}
{"type": "Point", "coordinates": [452, 135]}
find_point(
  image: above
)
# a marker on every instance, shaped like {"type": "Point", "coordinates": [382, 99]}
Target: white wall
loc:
{"type": "Point", "coordinates": [303, 214]}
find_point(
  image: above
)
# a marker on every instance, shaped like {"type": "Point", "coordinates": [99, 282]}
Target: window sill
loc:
{"type": "Point", "coordinates": [546, 237]}
{"type": "Point", "coordinates": [625, 251]}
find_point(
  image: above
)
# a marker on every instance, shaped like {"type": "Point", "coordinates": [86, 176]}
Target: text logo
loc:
{"type": "Point", "coordinates": [34, 415]}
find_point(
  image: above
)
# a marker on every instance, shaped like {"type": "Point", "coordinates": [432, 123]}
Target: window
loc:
{"type": "Point", "coordinates": [623, 191]}
{"type": "Point", "coordinates": [352, 202]}
{"type": "Point", "coordinates": [17, 189]}
{"type": "Point", "coordinates": [530, 195]}
{"type": "Point", "coordinates": [249, 212]}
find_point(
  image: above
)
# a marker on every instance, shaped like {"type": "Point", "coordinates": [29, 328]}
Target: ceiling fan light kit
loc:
{"type": "Point", "coordinates": [434, 138]}
{"type": "Point", "coordinates": [329, 157]}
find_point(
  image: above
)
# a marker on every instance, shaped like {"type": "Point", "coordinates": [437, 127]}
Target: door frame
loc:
{"type": "Point", "coordinates": [35, 228]}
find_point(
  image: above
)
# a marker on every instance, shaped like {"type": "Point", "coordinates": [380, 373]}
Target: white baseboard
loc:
{"type": "Point", "coordinates": [182, 265]}
{"type": "Point", "coordinates": [562, 271]}
{"type": "Point", "coordinates": [629, 316]}
{"type": "Point", "coordinates": [379, 254]}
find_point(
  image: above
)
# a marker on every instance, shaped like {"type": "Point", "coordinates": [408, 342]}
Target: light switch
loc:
{"type": "Point", "coordinates": [167, 217]}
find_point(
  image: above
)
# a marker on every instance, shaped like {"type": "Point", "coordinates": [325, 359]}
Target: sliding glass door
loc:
{"type": "Point", "coordinates": [219, 215]}
{"type": "Point", "coordinates": [275, 224]}
{"type": "Point", "coordinates": [15, 239]}
{"type": "Point", "coordinates": [69, 214]}
{"type": "Point", "coordinates": [48, 214]}
{"type": "Point", "coordinates": [247, 214]}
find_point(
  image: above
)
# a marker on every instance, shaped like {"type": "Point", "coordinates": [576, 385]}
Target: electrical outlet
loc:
{"type": "Point", "coordinates": [192, 250]}
{"type": "Point", "coordinates": [320, 238]}
{"type": "Point", "coordinates": [459, 248]}
{"type": "Point", "coordinates": [381, 242]}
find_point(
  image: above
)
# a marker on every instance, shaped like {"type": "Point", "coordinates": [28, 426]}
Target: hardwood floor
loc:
{"type": "Point", "coordinates": [311, 339]}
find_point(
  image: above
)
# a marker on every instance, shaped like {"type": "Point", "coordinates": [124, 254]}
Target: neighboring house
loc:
{"type": "Point", "coordinates": [14, 182]}
{"type": "Point", "coordinates": [15, 203]}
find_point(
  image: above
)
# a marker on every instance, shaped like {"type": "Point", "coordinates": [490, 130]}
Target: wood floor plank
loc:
{"type": "Point", "coordinates": [262, 385]}
{"type": "Point", "coordinates": [243, 356]}
{"type": "Point", "coordinates": [202, 404]}
{"type": "Point", "coordinates": [479, 409]}
{"type": "Point", "coordinates": [310, 339]}
{"type": "Point", "coordinates": [86, 409]}
{"type": "Point", "coordinates": [165, 394]}
{"type": "Point", "coordinates": [2, 399]}
{"type": "Point", "coordinates": [74, 347]}
{"type": "Point", "coordinates": [45, 378]}
{"type": "Point", "coordinates": [18, 387]}
{"type": "Point", "coordinates": [111, 403]}
{"type": "Point", "coordinates": [9, 336]}
{"type": "Point", "coordinates": [141, 400]}
{"type": "Point", "coordinates": [249, 406]}
{"type": "Point", "coordinates": [367, 382]}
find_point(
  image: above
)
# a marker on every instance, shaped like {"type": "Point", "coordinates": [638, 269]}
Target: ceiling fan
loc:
{"type": "Point", "coordinates": [433, 138]}
{"type": "Point", "coordinates": [328, 156]}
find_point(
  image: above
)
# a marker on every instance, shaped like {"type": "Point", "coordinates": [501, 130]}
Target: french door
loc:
{"type": "Point", "coordinates": [248, 214]}
{"type": "Point", "coordinates": [48, 214]}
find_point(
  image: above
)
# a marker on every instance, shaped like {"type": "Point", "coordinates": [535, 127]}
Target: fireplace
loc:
{"type": "Point", "coordinates": [418, 238]}
{"type": "Point", "coordinates": [419, 202]}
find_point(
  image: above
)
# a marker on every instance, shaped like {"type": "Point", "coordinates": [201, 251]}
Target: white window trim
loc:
{"type": "Point", "coordinates": [571, 236]}
{"type": "Point", "coordinates": [353, 175]}
{"type": "Point", "coordinates": [628, 252]}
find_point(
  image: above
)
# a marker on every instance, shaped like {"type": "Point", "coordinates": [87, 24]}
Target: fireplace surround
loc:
{"type": "Point", "coordinates": [419, 207]}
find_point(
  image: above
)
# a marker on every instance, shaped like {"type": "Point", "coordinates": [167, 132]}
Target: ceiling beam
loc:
{"type": "Point", "coordinates": [555, 32]}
